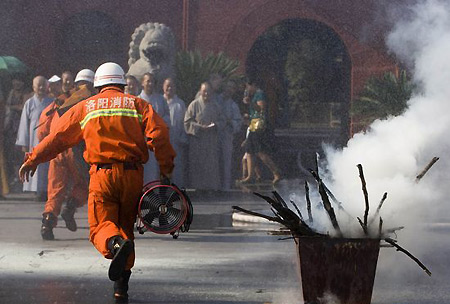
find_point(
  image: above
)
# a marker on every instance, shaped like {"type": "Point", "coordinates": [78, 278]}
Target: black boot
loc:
{"type": "Point", "coordinates": [67, 215]}
{"type": "Point", "coordinates": [121, 287]}
{"type": "Point", "coordinates": [121, 249]}
{"type": "Point", "coordinates": [48, 222]}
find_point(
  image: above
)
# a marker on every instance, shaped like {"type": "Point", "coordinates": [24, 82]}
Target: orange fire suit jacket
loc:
{"type": "Point", "coordinates": [116, 127]}
{"type": "Point", "coordinates": [45, 121]}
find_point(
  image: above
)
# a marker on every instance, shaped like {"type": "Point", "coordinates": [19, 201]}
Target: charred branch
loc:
{"type": "Point", "coordinates": [328, 191]}
{"type": "Point", "coordinates": [287, 217]}
{"type": "Point", "coordinates": [366, 195]}
{"type": "Point", "coordinates": [298, 211]}
{"type": "Point", "coordinates": [380, 228]}
{"type": "Point", "coordinates": [308, 203]}
{"type": "Point", "coordinates": [401, 249]}
{"type": "Point", "coordinates": [364, 227]}
{"type": "Point", "coordinates": [381, 203]}
{"type": "Point", "coordinates": [327, 205]}
{"type": "Point", "coordinates": [378, 208]}
{"type": "Point", "coordinates": [425, 170]}
{"type": "Point", "coordinates": [279, 199]}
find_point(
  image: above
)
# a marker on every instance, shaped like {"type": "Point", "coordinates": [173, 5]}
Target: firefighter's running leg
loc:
{"type": "Point", "coordinates": [57, 185]}
{"type": "Point", "coordinates": [121, 286]}
{"type": "Point", "coordinates": [127, 217]}
{"type": "Point", "coordinates": [121, 249]}
{"type": "Point", "coordinates": [68, 213]}
{"type": "Point", "coordinates": [113, 198]}
{"type": "Point", "coordinates": [79, 193]}
{"type": "Point", "coordinates": [48, 223]}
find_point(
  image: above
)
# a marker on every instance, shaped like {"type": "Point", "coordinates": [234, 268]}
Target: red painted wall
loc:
{"type": "Point", "coordinates": [234, 25]}
{"type": "Point", "coordinates": [29, 27]}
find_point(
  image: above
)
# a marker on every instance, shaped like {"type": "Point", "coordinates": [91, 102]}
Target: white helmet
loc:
{"type": "Point", "coordinates": [86, 75]}
{"type": "Point", "coordinates": [109, 73]}
{"type": "Point", "coordinates": [54, 78]}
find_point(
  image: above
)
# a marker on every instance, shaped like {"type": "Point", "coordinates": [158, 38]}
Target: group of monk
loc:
{"type": "Point", "coordinates": [205, 129]}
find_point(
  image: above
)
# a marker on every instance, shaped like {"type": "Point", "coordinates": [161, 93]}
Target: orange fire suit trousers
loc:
{"type": "Point", "coordinates": [112, 205]}
{"type": "Point", "coordinates": [65, 181]}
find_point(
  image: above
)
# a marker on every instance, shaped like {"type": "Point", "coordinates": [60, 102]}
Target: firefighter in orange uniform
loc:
{"type": "Point", "coordinates": [66, 173]}
{"type": "Point", "coordinates": [118, 130]}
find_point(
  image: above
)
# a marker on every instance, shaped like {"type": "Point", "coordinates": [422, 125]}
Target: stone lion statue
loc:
{"type": "Point", "coordinates": [152, 49]}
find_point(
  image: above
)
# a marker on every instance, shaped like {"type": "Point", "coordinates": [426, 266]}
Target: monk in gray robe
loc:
{"type": "Point", "coordinates": [26, 136]}
{"type": "Point", "coordinates": [202, 121]}
{"type": "Point", "coordinates": [233, 122]}
{"type": "Point", "coordinates": [178, 136]}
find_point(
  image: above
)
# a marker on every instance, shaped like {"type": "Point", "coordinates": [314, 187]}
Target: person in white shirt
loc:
{"type": "Point", "coordinates": [132, 86]}
{"type": "Point", "coordinates": [178, 136]}
{"type": "Point", "coordinates": [157, 101]}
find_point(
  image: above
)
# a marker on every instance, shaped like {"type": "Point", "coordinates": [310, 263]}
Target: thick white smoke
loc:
{"type": "Point", "coordinates": [395, 150]}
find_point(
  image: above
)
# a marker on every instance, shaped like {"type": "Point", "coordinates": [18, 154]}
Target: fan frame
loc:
{"type": "Point", "coordinates": [152, 185]}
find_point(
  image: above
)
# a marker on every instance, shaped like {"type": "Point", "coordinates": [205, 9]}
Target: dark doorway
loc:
{"type": "Point", "coordinates": [89, 39]}
{"type": "Point", "coordinates": [305, 70]}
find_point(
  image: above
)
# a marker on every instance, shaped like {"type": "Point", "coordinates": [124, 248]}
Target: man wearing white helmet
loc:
{"type": "Point", "coordinates": [54, 86]}
{"type": "Point", "coordinates": [67, 174]}
{"type": "Point", "coordinates": [66, 81]}
{"type": "Point", "coordinates": [85, 77]}
{"type": "Point", "coordinates": [118, 130]}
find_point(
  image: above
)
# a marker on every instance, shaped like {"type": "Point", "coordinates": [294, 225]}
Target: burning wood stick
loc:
{"type": "Point", "coordinates": [364, 227]}
{"type": "Point", "coordinates": [333, 198]}
{"type": "Point", "coordinates": [279, 199]}
{"type": "Point", "coordinates": [298, 210]}
{"type": "Point", "coordinates": [277, 215]}
{"type": "Point", "coordinates": [287, 216]}
{"type": "Point", "coordinates": [380, 228]}
{"type": "Point", "coordinates": [329, 209]}
{"type": "Point", "coordinates": [326, 203]}
{"type": "Point", "coordinates": [399, 248]}
{"type": "Point", "coordinates": [366, 195]}
{"type": "Point", "coordinates": [381, 203]}
{"type": "Point", "coordinates": [308, 203]}
{"type": "Point", "coordinates": [378, 208]}
{"type": "Point", "coordinates": [425, 170]}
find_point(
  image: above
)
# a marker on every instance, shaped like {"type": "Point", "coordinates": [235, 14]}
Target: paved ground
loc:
{"type": "Point", "coordinates": [214, 263]}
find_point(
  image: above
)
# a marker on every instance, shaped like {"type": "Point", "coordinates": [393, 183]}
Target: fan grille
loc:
{"type": "Point", "coordinates": [163, 209]}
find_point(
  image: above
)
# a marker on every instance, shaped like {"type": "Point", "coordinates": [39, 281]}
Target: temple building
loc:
{"type": "Point", "coordinates": [337, 44]}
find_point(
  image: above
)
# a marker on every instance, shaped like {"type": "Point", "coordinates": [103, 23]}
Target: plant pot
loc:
{"type": "Point", "coordinates": [344, 268]}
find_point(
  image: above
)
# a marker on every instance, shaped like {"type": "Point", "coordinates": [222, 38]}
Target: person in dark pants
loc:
{"type": "Point", "coordinates": [258, 141]}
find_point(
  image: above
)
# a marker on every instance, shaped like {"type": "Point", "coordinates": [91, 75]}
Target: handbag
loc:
{"type": "Point", "coordinates": [257, 124]}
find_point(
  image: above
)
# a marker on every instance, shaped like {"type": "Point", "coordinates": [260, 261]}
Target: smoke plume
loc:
{"type": "Point", "coordinates": [396, 149]}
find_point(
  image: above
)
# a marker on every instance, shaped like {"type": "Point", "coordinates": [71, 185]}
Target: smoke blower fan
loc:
{"type": "Point", "coordinates": [164, 209]}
